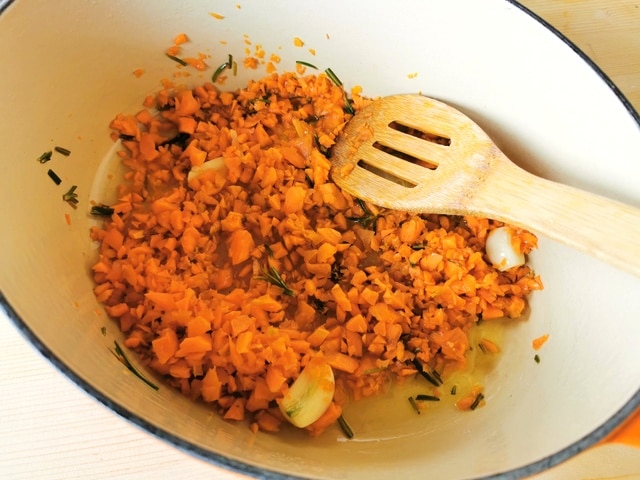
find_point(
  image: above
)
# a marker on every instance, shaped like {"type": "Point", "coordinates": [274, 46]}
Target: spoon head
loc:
{"type": "Point", "coordinates": [413, 153]}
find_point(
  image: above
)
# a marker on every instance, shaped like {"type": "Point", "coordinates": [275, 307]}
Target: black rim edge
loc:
{"type": "Point", "coordinates": [524, 471]}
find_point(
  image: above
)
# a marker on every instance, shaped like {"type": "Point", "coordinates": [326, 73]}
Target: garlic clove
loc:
{"type": "Point", "coordinates": [500, 249]}
{"type": "Point", "coordinates": [310, 394]}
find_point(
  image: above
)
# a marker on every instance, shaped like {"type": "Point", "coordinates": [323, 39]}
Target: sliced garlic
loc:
{"type": "Point", "coordinates": [500, 250]}
{"type": "Point", "coordinates": [310, 395]}
{"type": "Point", "coordinates": [215, 164]}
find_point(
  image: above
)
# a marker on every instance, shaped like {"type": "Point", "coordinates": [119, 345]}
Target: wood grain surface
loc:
{"type": "Point", "coordinates": [608, 32]}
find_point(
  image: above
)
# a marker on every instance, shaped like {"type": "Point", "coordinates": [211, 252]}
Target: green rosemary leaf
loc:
{"type": "Point", "coordinates": [333, 77]}
{"type": "Point", "coordinates": [348, 106]}
{"type": "Point", "coordinates": [306, 64]}
{"type": "Point", "coordinates": [71, 197]}
{"type": "Point", "coordinates": [346, 428]}
{"type": "Point", "coordinates": [432, 377]}
{"type": "Point", "coordinates": [230, 63]}
{"type": "Point", "coordinates": [219, 71]}
{"type": "Point", "coordinates": [53, 176]}
{"type": "Point", "coordinates": [45, 157]}
{"type": "Point", "coordinates": [477, 401]}
{"type": "Point", "coordinates": [368, 219]}
{"type": "Point", "coordinates": [427, 398]}
{"type": "Point", "coordinates": [178, 60]}
{"type": "Point", "coordinates": [414, 405]}
{"type": "Point", "coordinates": [101, 210]}
{"type": "Point", "coordinates": [63, 151]}
{"type": "Point", "coordinates": [122, 358]}
{"type": "Point", "coordinates": [273, 277]}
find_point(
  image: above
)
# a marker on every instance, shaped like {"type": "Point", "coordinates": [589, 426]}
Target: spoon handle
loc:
{"type": "Point", "coordinates": [604, 228]}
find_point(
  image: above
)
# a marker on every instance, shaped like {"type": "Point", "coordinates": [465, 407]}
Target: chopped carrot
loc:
{"type": "Point", "coordinates": [240, 246]}
{"type": "Point", "coordinates": [293, 200]}
{"type": "Point", "coordinates": [537, 343]}
{"type": "Point", "coordinates": [489, 346]}
{"type": "Point", "coordinates": [180, 39]}
{"type": "Point", "coordinates": [211, 386]}
{"type": "Point", "coordinates": [340, 361]}
{"type": "Point", "coordinates": [173, 50]}
{"type": "Point", "coordinates": [268, 422]}
{"type": "Point", "coordinates": [166, 345]}
{"type": "Point", "coordinates": [187, 125]}
{"type": "Point", "coordinates": [186, 104]}
{"type": "Point", "coordinates": [250, 62]}
{"type": "Point", "coordinates": [271, 68]}
{"type": "Point", "coordinates": [197, 63]}
{"type": "Point", "coordinates": [328, 418]}
{"type": "Point", "coordinates": [230, 281]}
{"type": "Point", "coordinates": [148, 147]}
{"type": "Point", "coordinates": [236, 411]}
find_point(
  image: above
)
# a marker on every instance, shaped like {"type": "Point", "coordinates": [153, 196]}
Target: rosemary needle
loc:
{"type": "Point", "coordinates": [122, 358]}
{"type": "Point", "coordinates": [178, 60]}
{"type": "Point", "coordinates": [307, 64]}
{"type": "Point", "coordinates": [274, 278]}
{"type": "Point", "coordinates": [63, 151]}
{"type": "Point", "coordinates": [102, 210]}
{"type": "Point", "coordinates": [345, 427]}
{"type": "Point", "coordinates": [45, 157]}
{"type": "Point", "coordinates": [414, 405]}
{"type": "Point", "coordinates": [71, 197]}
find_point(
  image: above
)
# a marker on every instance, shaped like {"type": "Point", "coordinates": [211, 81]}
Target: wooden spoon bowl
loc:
{"type": "Point", "coordinates": [414, 153]}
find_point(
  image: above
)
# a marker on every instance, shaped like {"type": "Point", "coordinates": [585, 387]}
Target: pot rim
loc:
{"type": "Point", "coordinates": [589, 440]}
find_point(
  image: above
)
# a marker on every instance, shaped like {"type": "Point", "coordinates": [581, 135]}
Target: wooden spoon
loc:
{"type": "Point", "coordinates": [413, 153]}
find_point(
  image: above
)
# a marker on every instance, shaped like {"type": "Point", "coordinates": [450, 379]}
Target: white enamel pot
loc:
{"type": "Point", "coordinates": [67, 69]}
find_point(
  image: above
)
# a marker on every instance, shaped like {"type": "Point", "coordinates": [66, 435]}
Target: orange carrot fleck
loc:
{"type": "Point", "coordinates": [489, 346]}
{"type": "Point", "coordinates": [241, 245]}
{"type": "Point", "coordinates": [173, 50]}
{"type": "Point", "coordinates": [197, 63]}
{"type": "Point", "coordinates": [538, 342]}
{"type": "Point", "coordinates": [180, 39]}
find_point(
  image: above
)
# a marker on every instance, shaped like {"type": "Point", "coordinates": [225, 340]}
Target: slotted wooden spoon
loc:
{"type": "Point", "coordinates": [413, 153]}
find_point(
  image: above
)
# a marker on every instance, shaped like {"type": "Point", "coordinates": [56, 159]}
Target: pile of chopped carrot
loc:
{"type": "Point", "coordinates": [230, 281]}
